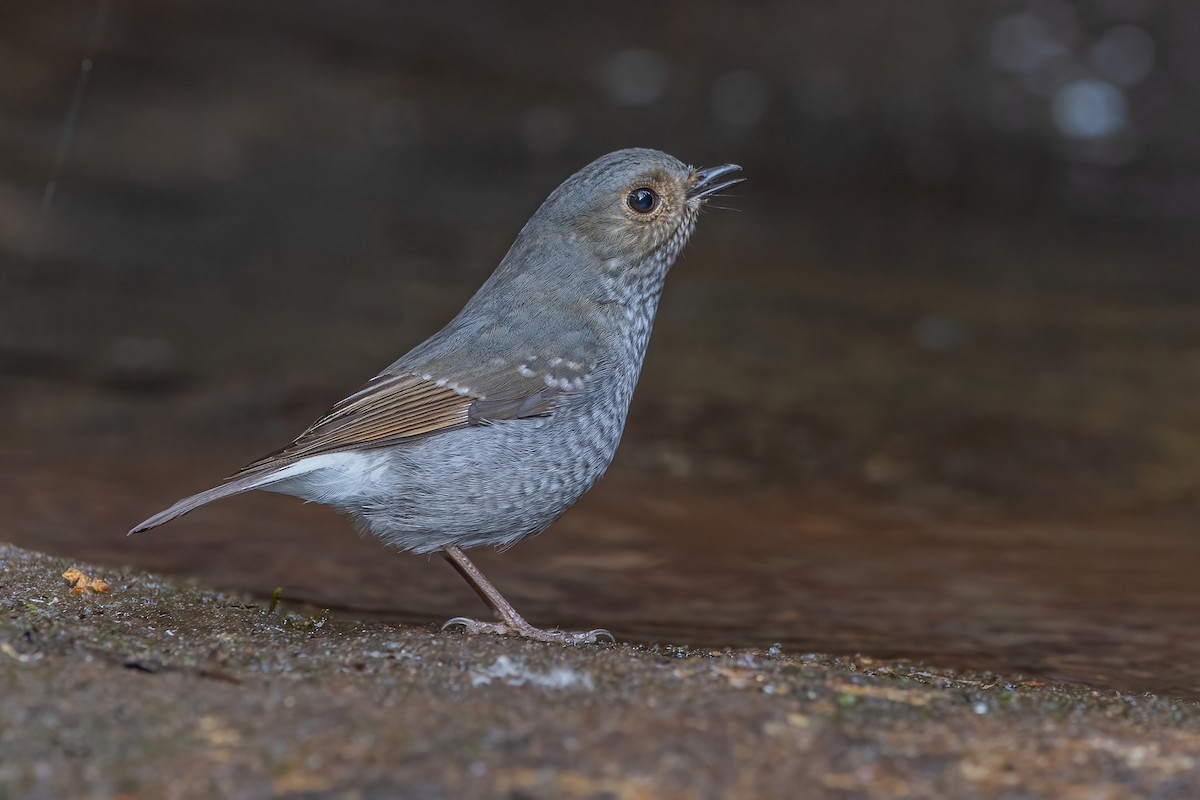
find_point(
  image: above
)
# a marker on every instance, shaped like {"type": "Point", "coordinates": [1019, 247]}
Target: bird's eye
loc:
{"type": "Point", "coordinates": [642, 200]}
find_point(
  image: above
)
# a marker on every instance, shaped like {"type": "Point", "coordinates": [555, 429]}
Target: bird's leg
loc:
{"type": "Point", "coordinates": [511, 623]}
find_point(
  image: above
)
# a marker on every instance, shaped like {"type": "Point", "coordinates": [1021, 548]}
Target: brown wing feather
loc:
{"type": "Point", "coordinates": [395, 407]}
{"type": "Point", "coordinates": [383, 411]}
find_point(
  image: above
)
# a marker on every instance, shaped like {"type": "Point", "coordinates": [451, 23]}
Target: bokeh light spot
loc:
{"type": "Point", "coordinates": [1021, 43]}
{"type": "Point", "coordinates": [1124, 55]}
{"type": "Point", "coordinates": [1090, 109]}
{"type": "Point", "coordinates": [636, 77]}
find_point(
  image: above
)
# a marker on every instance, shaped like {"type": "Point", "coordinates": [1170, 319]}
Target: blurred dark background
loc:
{"type": "Point", "coordinates": [928, 389]}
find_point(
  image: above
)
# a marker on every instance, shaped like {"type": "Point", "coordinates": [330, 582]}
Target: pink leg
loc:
{"type": "Point", "coordinates": [511, 623]}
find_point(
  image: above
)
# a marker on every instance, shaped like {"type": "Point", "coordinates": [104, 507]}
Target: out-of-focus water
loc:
{"type": "Point", "coordinates": [799, 467]}
{"type": "Point", "coordinates": [928, 391]}
{"type": "Point", "coordinates": [1109, 600]}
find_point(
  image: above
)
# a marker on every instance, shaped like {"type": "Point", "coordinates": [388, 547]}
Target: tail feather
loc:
{"type": "Point", "coordinates": [236, 486]}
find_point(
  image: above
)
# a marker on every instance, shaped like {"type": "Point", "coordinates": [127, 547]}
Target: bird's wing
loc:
{"type": "Point", "coordinates": [399, 405]}
{"type": "Point", "coordinates": [393, 407]}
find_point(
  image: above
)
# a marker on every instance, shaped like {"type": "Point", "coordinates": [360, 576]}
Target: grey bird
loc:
{"type": "Point", "coordinates": [493, 427]}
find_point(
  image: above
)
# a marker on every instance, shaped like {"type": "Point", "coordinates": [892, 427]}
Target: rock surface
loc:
{"type": "Point", "coordinates": [158, 689]}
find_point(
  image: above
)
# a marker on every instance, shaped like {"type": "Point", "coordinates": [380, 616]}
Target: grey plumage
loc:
{"type": "Point", "coordinates": [490, 429]}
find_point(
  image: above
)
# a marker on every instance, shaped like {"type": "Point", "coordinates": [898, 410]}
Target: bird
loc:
{"type": "Point", "coordinates": [493, 427]}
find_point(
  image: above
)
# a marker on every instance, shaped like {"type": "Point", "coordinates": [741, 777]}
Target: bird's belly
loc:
{"type": "Point", "coordinates": [486, 485]}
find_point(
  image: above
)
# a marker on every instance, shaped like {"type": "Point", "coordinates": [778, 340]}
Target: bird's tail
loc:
{"type": "Point", "coordinates": [234, 486]}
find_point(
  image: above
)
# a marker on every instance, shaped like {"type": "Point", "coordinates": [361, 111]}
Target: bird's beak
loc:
{"type": "Point", "coordinates": [708, 180]}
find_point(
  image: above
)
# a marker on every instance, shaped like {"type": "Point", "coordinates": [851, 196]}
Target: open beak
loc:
{"type": "Point", "coordinates": [709, 180]}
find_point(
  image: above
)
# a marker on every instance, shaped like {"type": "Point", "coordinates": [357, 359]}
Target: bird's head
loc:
{"type": "Point", "coordinates": [625, 216]}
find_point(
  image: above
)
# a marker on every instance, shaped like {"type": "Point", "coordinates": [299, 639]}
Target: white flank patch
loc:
{"type": "Point", "coordinates": [331, 477]}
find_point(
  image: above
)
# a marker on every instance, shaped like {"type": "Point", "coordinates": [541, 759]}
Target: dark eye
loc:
{"type": "Point", "coordinates": [643, 200]}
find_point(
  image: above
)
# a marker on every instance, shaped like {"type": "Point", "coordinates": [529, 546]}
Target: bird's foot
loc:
{"type": "Point", "coordinates": [526, 631]}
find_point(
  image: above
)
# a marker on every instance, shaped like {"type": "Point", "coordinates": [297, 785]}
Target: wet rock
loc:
{"type": "Point", "coordinates": [163, 689]}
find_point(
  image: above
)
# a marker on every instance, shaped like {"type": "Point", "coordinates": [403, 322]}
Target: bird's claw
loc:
{"type": "Point", "coordinates": [527, 631]}
{"type": "Point", "coordinates": [473, 626]}
{"type": "Point", "coordinates": [596, 635]}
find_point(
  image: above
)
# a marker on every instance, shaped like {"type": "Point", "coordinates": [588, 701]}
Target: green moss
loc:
{"type": "Point", "coordinates": [275, 595]}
